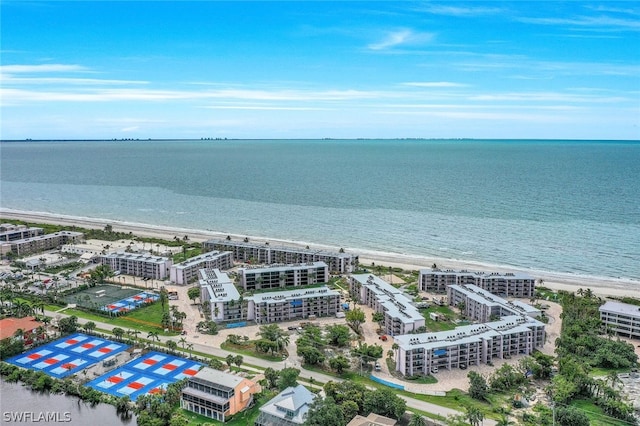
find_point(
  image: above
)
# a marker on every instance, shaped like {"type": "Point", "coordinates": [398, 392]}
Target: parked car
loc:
{"type": "Point", "coordinates": [291, 327]}
{"type": "Point", "coordinates": [463, 366]}
{"type": "Point", "coordinates": [383, 338]}
{"type": "Point", "coordinates": [434, 370]}
{"type": "Point", "coordinates": [377, 367]}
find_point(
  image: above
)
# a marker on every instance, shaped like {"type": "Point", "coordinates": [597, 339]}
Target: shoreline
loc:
{"type": "Point", "coordinates": [602, 286]}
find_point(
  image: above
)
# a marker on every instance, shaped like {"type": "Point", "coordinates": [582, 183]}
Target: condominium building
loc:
{"type": "Point", "coordinates": [280, 276]}
{"type": "Point", "coordinates": [256, 253]}
{"type": "Point", "coordinates": [278, 306]}
{"type": "Point", "coordinates": [400, 315]}
{"type": "Point", "coordinates": [187, 272]}
{"type": "Point", "coordinates": [506, 285]}
{"type": "Point", "coordinates": [138, 264]}
{"type": "Point", "coordinates": [44, 242]}
{"type": "Point", "coordinates": [224, 299]}
{"type": "Point", "coordinates": [482, 306]}
{"type": "Point", "coordinates": [288, 408]}
{"type": "Point", "coordinates": [10, 232]}
{"type": "Point", "coordinates": [422, 354]}
{"type": "Point", "coordinates": [621, 318]}
{"type": "Point", "coordinates": [216, 394]}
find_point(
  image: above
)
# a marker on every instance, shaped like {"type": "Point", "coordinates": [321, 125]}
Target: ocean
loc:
{"type": "Point", "coordinates": [563, 206]}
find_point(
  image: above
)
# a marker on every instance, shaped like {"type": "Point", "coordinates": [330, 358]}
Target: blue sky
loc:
{"type": "Point", "coordinates": [546, 69]}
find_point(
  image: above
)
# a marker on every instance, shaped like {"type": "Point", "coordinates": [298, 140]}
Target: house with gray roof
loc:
{"type": "Point", "coordinates": [288, 408]}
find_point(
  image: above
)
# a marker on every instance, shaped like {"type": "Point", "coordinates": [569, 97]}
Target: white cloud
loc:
{"type": "Point", "coordinates": [42, 68]}
{"type": "Point", "coordinates": [401, 37]}
{"type": "Point", "coordinates": [460, 11]}
{"type": "Point", "coordinates": [434, 84]}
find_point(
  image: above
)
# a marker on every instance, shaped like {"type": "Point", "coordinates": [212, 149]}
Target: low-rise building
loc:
{"type": "Point", "coordinates": [138, 264]}
{"type": "Point", "coordinates": [266, 254]}
{"type": "Point", "coordinates": [216, 394]}
{"type": "Point", "coordinates": [287, 305]}
{"type": "Point", "coordinates": [506, 285]}
{"type": "Point", "coordinates": [28, 325]}
{"type": "Point", "coordinates": [280, 276]}
{"type": "Point", "coordinates": [224, 299]}
{"type": "Point", "coordinates": [400, 315]}
{"type": "Point", "coordinates": [621, 318]}
{"type": "Point", "coordinates": [10, 232]}
{"type": "Point", "coordinates": [480, 305]}
{"type": "Point", "coordinates": [44, 242]}
{"type": "Point", "coordinates": [187, 272]}
{"type": "Point", "coordinates": [426, 353]}
{"type": "Point", "coordinates": [372, 419]}
{"type": "Point", "coordinates": [288, 408]}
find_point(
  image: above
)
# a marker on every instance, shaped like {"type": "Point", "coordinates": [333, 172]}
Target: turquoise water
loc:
{"type": "Point", "coordinates": [563, 206]}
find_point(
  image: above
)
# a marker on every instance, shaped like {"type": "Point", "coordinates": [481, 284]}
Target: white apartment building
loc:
{"type": "Point", "coordinates": [187, 272]}
{"type": "Point", "coordinates": [10, 232]}
{"type": "Point", "coordinates": [138, 264]}
{"type": "Point", "coordinates": [621, 318]}
{"type": "Point", "coordinates": [482, 306]}
{"type": "Point", "coordinates": [44, 242]}
{"type": "Point", "coordinates": [502, 284]}
{"type": "Point", "coordinates": [400, 315]}
{"type": "Point", "coordinates": [280, 276]}
{"type": "Point", "coordinates": [224, 299]}
{"type": "Point", "coordinates": [421, 354]}
{"type": "Point", "coordinates": [279, 306]}
{"type": "Point", "coordinates": [256, 253]}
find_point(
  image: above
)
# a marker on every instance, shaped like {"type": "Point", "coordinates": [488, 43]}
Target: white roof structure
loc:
{"type": "Point", "coordinates": [295, 400]}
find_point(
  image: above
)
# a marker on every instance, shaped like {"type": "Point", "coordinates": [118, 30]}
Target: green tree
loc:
{"type": "Point", "coordinates": [118, 332]}
{"type": "Point", "coordinates": [417, 420]}
{"type": "Point", "coordinates": [325, 412]}
{"type": "Point", "coordinates": [230, 359]}
{"type": "Point", "coordinates": [384, 402]}
{"type": "Point", "coordinates": [478, 388]}
{"type": "Point", "coordinates": [339, 363]}
{"type": "Point", "coordinates": [172, 345]}
{"type": "Point", "coordinates": [153, 335]}
{"type": "Point", "coordinates": [311, 355]}
{"type": "Point", "coordinates": [89, 326]}
{"type": "Point", "coordinates": [338, 335]}
{"type": "Point", "coordinates": [355, 318]}
{"type": "Point", "coordinates": [288, 377]}
{"type": "Point", "coordinates": [272, 377]}
{"type": "Point", "coordinates": [193, 293]}
{"type": "Point", "coordinates": [68, 325]}
{"type": "Point", "coordinates": [474, 415]}
{"type": "Point", "coordinates": [238, 360]}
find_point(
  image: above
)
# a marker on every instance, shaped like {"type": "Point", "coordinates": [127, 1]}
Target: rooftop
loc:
{"type": "Point", "coordinates": [621, 308]}
{"type": "Point", "coordinates": [9, 326]}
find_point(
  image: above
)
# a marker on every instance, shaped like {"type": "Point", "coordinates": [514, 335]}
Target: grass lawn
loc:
{"type": "Point", "coordinates": [595, 413]}
{"type": "Point", "coordinates": [145, 319]}
{"type": "Point", "coordinates": [438, 325]}
{"type": "Point", "coordinates": [605, 371]}
{"type": "Point", "coordinates": [249, 350]}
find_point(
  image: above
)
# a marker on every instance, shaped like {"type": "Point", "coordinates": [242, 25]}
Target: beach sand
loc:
{"type": "Point", "coordinates": [602, 286]}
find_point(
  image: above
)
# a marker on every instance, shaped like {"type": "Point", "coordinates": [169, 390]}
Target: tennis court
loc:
{"type": "Point", "coordinates": [149, 374]}
{"type": "Point", "coordinates": [131, 303]}
{"type": "Point", "coordinates": [68, 355]}
{"type": "Point", "coordinates": [100, 295]}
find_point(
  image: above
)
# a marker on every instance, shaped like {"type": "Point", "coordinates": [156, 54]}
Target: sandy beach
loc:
{"type": "Point", "coordinates": [602, 286]}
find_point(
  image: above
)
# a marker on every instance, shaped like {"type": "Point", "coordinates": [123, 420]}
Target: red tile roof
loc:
{"type": "Point", "coordinates": [9, 326]}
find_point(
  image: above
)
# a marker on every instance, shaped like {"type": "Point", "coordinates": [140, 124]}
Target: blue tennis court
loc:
{"type": "Point", "coordinates": [131, 303]}
{"type": "Point", "coordinates": [68, 355]}
{"type": "Point", "coordinates": [151, 373]}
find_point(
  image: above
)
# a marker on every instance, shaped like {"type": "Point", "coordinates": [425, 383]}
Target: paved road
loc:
{"type": "Point", "coordinates": [317, 377]}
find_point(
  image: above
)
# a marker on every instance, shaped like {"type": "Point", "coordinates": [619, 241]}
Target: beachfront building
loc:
{"type": "Point", "coordinates": [506, 285]}
{"type": "Point", "coordinates": [280, 276]}
{"type": "Point", "coordinates": [10, 232]}
{"type": "Point", "coordinates": [400, 315]}
{"type": "Point", "coordinates": [288, 305]}
{"type": "Point", "coordinates": [224, 299]}
{"type": "Point", "coordinates": [480, 305]}
{"type": "Point", "coordinates": [288, 408]}
{"type": "Point", "coordinates": [256, 253]}
{"type": "Point", "coordinates": [138, 264]}
{"type": "Point", "coordinates": [621, 318]}
{"type": "Point", "coordinates": [187, 272]}
{"type": "Point", "coordinates": [426, 353]}
{"type": "Point", "coordinates": [44, 242]}
{"type": "Point", "coordinates": [216, 394]}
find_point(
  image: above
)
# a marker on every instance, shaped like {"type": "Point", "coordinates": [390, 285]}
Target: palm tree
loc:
{"type": "Point", "coordinates": [183, 342]}
{"type": "Point", "coordinates": [417, 420]}
{"type": "Point", "coordinates": [230, 359]}
{"type": "Point", "coordinates": [190, 347]}
{"type": "Point", "coordinates": [474, 415]}
{"type": "Point", "coordinates": [118, 332]}
{"type": "Point", "coordinates": [172, 345]}
{"type": "Point", "coordinates": [153, 335]}
{"type": "Point", "coordinates": [504, 421]}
